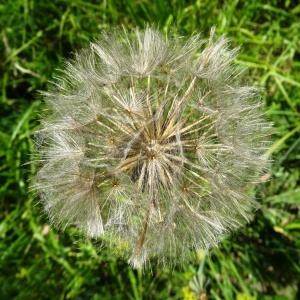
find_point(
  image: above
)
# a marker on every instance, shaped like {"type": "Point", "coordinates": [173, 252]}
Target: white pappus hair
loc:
{"type": "Point", "coordinates": [152, 144]}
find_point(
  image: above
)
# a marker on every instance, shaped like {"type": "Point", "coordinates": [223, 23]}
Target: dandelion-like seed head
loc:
{"type": "Point", "coordinates": [152, 143]}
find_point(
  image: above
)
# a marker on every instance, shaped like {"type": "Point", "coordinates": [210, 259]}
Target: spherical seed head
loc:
{"type": "Point", "coordinates": [153, 144]}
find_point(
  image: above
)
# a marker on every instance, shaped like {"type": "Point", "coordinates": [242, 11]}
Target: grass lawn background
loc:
{"type": "Point", "coordinates": [261, 261]}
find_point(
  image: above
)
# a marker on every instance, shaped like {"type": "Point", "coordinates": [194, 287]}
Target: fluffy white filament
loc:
{"type": "Point", "coordinates": [152, 144]}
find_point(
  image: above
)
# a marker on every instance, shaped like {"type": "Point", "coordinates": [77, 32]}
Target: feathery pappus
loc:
{"type": "Point", "coordinates": [152, 144]}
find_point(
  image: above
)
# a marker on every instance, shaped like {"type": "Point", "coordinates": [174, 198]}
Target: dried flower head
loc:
{"type": "Point", "coordinates": [152, 144]}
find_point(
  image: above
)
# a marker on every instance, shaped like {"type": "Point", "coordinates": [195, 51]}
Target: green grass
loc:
{"type": "Point", "coordinates": [262, 261]}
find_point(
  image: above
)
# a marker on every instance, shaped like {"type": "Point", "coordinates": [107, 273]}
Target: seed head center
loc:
{"type": "Point", "coordinates": [152, 149]}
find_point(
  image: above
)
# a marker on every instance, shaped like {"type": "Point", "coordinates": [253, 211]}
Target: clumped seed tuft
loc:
{"type": "Point", "coordinates": [152, 144]}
